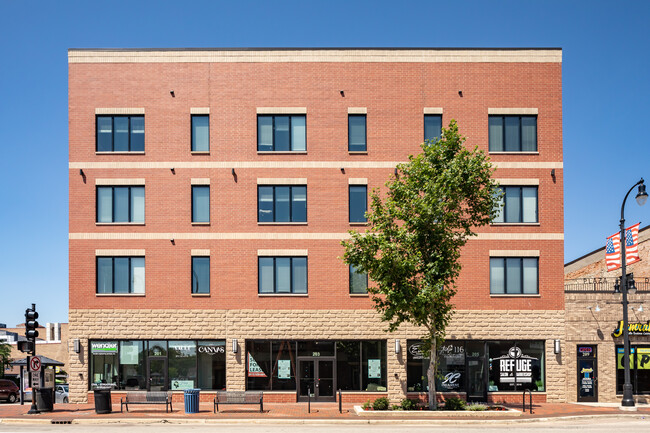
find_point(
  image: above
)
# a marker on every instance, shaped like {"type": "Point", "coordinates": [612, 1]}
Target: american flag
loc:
{"type": "Point", "coordinates": [613, 248]}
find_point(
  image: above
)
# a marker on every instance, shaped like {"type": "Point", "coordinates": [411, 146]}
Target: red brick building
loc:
{"type": "Point", "coordinates": [210, 190]}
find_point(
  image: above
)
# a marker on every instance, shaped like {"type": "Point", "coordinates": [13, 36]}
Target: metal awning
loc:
{"type": "Point", "coordinates": [45, 361]}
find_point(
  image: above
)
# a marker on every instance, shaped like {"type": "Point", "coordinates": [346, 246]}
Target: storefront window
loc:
{"type": "Point", "coordinates": [348, 365]}
{"type": "Point", "coordinates": [639, 369]}
{"type": "Point", "coordinates": [283, 354]}
{"type": "Point", "coordinates": [516, 365]}
{"type": "Point", "coordinates": [132, 365]}
{"type": "Point", "coordinates": [103, 364]}
{"type": "Point", "coordinates": [182, 364]}
{"type": "Point", "coordinates": [212, 364]}
{"type": "Point", "coordinates": [451, 367]}
{"type": "Point", "coordinates": [158, 348]}
{"type": "Point", "coordinates": [373, 366]}
{"type": "Point", "coordinates": [315, 348]}
{"type": "Point", "coordinates": [416, 367]}
{"type": "Point", "coordinates": [258, 365]}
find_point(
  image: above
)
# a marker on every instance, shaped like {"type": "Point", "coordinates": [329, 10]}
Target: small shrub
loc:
{"type": "Point", "coordinates": [476, 407]}
{"type": "Point", "coordinates": [408, 404]}
{"type": "Point", "coordinates": [367, 405]}
{"type": "Point", "coordinates": [396, 407]}
{"type": "Point", "coordinates": [381, 403]}
{"type": "Point", "coordinates": [455, 403]}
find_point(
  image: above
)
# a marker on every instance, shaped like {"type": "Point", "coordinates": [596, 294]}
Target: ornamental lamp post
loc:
{"type": "Point", "coordinates": [628, 395]}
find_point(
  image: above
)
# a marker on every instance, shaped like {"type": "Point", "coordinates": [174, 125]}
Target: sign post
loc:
{"type": "Point", "coordinates": [33, 362]}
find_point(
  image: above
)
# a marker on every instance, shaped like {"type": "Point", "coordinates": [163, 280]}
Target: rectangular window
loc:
{"type": "Point", "coordinates": [200, 133]}
{"type": "Point", "coordinates": [513, 133]}
{"type": "Point", "coordinates": [639, 369]}
{"type": "Point", "coordinates": [277, 133]}
{"type": "Point", "coordinates": [358, 281]}
{"type": "Point", "coordinates": [200, 274]}
{"type": "Point", "coordinates": [518, 205]}
{"type": "Point", "coordinates": [514, 275]}
{"type": "Point", "coordinates": [282, 204]}
{"type": "Point", "coordinates": [120, 134]}
{"type": "Point", "coordinates": [432, 126]}
{"type": "Point", "coordinates": [120, 275]}
{"type": "Point", "coordinates": [358, 203]}
{"type": "Point", "coordinates": [282, 275]}
{"type": "Point", "coordinates": [119, 204]}
{"type": "Point", "coordinates": [357, 133]}
{"type": "Point", "coordinates": [200, 203]}
{"type": "Point", "coordinates": [516, 365]}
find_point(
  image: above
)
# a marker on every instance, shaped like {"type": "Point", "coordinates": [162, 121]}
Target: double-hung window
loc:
{"type": "Point", "coordinates": [513, 133]}
{"type": "Point", "coordinates": [432, 126]}
{"type": "Point", "coordinates": [120, 204]}
{"type": "Point", "coordinates": [282, 275]}
{"type": "Point", "coordinates": [200, 203]}
{"type": "Point", "coordinates": [120, 134]}
{"type": "Point", "coordinates": [357, 133]}
{"type": "Point", "coordinates": [201, 275]}
{"type": "Point", "coordinates": [281, 204]}
{"type": "Point", "coordinates": [200, 133]}
{"type": "Point", "coordinates": [358, 203]}
{"type": "Point", "coordinates": [518, 205]}
{"type": "Point", "coordinates": [514, 275]}
{"type": "Point", "coordinates": [120, 275]}
{"type": "Point", "coordinates": [286, 133]}
{"type": "Point", "coordinates": [358, 282]}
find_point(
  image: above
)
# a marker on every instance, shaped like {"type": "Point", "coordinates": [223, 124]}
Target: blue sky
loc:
{"type": "Point", "coordinates": [606, 84]}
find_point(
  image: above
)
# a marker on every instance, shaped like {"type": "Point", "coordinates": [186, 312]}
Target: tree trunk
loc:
{"type": "Point", "coordinates": [431, 376]}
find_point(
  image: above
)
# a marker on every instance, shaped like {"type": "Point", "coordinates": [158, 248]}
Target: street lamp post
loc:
{"type": "Point", "coordinates": [628, 395]}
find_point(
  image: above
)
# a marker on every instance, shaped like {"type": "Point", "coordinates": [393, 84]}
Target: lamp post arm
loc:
{"type": "Point", "coordinates": [625, 199]}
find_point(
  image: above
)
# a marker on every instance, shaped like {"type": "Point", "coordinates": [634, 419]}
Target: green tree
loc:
{"type": "Point", "coordinates": [411, 250]}
{"type": "Point", "coordinates": [5, 357]}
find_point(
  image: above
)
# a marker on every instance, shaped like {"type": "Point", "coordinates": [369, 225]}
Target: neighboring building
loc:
{"type": "Point", "coordinates": [210, 190]}
{"type": "Point", "coordinates": [593, 314]}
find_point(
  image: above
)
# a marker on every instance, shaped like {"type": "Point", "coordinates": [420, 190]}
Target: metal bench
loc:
{"type": "Point", "coordinates": [238, 397]}
{"type": "Point", "coordinates": [147, 397]}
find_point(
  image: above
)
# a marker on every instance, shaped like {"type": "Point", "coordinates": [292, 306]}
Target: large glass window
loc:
{"type": "Point", "coordinates": [200, 133]}
{"type": "Point", "coordinates": [281, 133]}
{"type": "Point", "coordinates": [200, 203]}
{"type": "Point", "coordinates": [282, 275]}
{"type": "Point", "coordinates": [258, 365]}
{"type": "Point", "coordinates": [120, 275]}
{"type": "Point", "coordinates": [358, 203]}
{"type": "Point", "coordinates": [132, 365]}
{"type": "Point", "coordinates": [639, 369]}
{"type": "Point", "coordinates": [357, 133]}
{"type": "Point", "coordinates": [120, 134]}
{"type": "Point", "coordinates": [103, 365]}
{"type": "Point", "coordinates": [348, 365]}
{"type": "Point", "coordinates": [200, 274]}
{"type": "Point", "coordinates": [516, 365]}
{"type": "Point", "coordinates": [212, 364]}
{"type": "Point", "coordinates": [282, 203]}
{"type": "Point", "coordinates": [117, 204]}
{"type": "Point", "coordinates": [182, 364]}
{"type": "Point", "coordinates": [514, 275]}
{"type": "Point", "coordinates": [513, 133]}
{"type": "Point", "coordinates": [518, 205]}
{"type": "Point", "coordinates": [373, 366]}
{"type": "Point", "coordinates": [432, 126]}
{"type": "Point", "coordinates": [358, 281]}
{"type": "Point", "coordinates": [451, 367]}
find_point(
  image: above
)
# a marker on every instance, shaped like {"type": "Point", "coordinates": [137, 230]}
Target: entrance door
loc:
{"type": "Point", "coordinates": [476, 389]}
{"type": "Point", "coordinates": [316, 378]}
{"type": "Point", "coordinates": [587, 374]}
{"type": "Point", "coordinates": [157, 373]}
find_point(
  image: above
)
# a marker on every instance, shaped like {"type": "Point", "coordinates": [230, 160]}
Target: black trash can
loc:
{"type": "Point", "coordinates": [192, 400]}
{"type": "Point", "coordinates": [103, 400]}
{"type": "Point", "coordinates": [44, 399]}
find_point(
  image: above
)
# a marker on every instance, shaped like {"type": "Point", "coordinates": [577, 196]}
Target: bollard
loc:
{"type": "Point", "coordinates": [308, 400]}
{"type": "Point", "coordinates": [340, 403]}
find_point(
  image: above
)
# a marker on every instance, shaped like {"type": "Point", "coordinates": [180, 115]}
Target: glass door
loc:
{"type": "Point", "coordinates": [316, 379]}
{"type": "Point", "coordinates": [476, 389]}
{"type": "Point", "coordinates": [325, 380]}
{"type": "Point", "coordinates": [587, 374]}
{"type": "Point", "coordinates": [157, 373]}
{"type": "Point", "coordinates": [307, 379]}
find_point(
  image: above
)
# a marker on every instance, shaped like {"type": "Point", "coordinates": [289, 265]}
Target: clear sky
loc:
{"type": "Point", "coordinates": [606, 97]}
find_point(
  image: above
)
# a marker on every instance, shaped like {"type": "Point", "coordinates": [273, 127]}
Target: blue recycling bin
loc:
{"type": "Point", "coordinates": [192, 400]}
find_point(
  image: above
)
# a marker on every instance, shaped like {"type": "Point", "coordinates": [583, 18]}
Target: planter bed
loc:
{"type": "Point", "coordinates": [438, 413]}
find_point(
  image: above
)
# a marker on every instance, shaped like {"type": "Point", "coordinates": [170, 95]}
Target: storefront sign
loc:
{"type": "Point", "coordinates": [451, 381]}
{"type": "Point", "coordinates": [103, 347]}
{"type": "Point", "coordinates": [182, 384]}
{"type": "Point", "coordinates": [284, 369]}
{"type": "Point", "coordinates": [515, 367]}
{"type": "Point", "coordinates": [585, 350]}
{"type": "Point", "coordinates": [415, 351]}
{"type": "Point", "coordinates": [212, 350]}
{"type": "Point", "coordinates": [254, 370]}
{"type": "Point", "coordinates": [632, 329]}
{"type": "Point", "coordinates": [641, 355]}
{"type": "Point", "coordinates": [182, 349]}
{"type": "Point", "coordinates": [374, 369]}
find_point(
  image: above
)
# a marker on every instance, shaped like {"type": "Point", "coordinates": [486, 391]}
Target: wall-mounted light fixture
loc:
{"type": "Point", "coordinates": [460, 93]}
{"type": "Point", "coordinates": [640, 310]}
{"type": "Point", "coordinates": [235, 347]}
{"type": "Point", "coordinates": [172, 241]}
{"type": "Point", "coordinates": [398, 347]}
{"type": "Point", "coordinates": [556, 346]}
{"type": "Point", "coordinates": [173, 170]}
{"type": "Point", "coordinates": [232, 171]}
{"type": "Point", "coordinates": [81, 172]}
{"type": "Point", "coordinates": [342, 170]}
{"type": "Point", "coordinates": [396, 174]}
{"type": "Point", "coordinates": [342, 93]}
{"type": "Point", "coordinates": [171, 92]}
{"type": "Point", "coordinates": [597, 309]}
{"type": "Point", "coordinates": [77, 345]}
{"type": "Point", "coordinates": [553, 173]}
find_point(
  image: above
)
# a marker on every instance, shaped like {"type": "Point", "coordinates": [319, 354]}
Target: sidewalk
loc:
{"type": "Point", "coordinates": [292, 412]}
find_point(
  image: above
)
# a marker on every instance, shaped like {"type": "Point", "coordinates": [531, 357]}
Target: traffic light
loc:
{"type": "Point", "coordinates": [25, 346]}
{"type": "Point", "coordinates": [31, 325]}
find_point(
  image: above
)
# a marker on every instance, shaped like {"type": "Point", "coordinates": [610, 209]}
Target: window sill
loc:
{"type": "Point", "coordinates": [200, 152]}
{"type": "Point", "coordinates": [515, 295]}
{"type": "Point", "coordinates": [359, 295]}
{"type": "Point", "coordinates": [514, 153]}
{"type": "Point", "coordinates": [283, 295]}
{"type": "Point", "coordinates": [288, 223]}
{"type": "Point", "coordinates": [358, 152]}
{"type": "Point", "coordinates": [119, 224]}
{"type": "Point", "coordinates": [200, 224]}
{"type": "Point", "coordinates": [514, 224]}
{"type": "Point", "coordinates": [120, 294]}
{"type": "Point", "coordinates": [120, 153]}
{"type": "Point", "coordinates": [359, 224]}
{"type": "Point", "coordinates": [282, 152]}
{"type": "Point", "coordinates": [200, 295]}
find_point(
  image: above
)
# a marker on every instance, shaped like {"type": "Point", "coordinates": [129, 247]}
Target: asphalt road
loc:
{"type": "Point", "coordinates": [636, 424]}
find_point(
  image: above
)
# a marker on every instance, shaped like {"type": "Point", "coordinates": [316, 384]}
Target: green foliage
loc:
{"type": "Point", "coordinates": [408, 404]}
{"type": "Point", "coordinates": [455, 403]}
{"type": "Point", "coordinates": [367, 405]}
{"type": "Point", "coordinates": [381, 403]}
{"type": "Point", "coordinates": [476, 407]}
{"type": "Point", "coordinates": [411, 250]}
{"type": "Point", "coordinates": [396, 407]}
{"type": "Point", "coordinates": [5, 357]}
